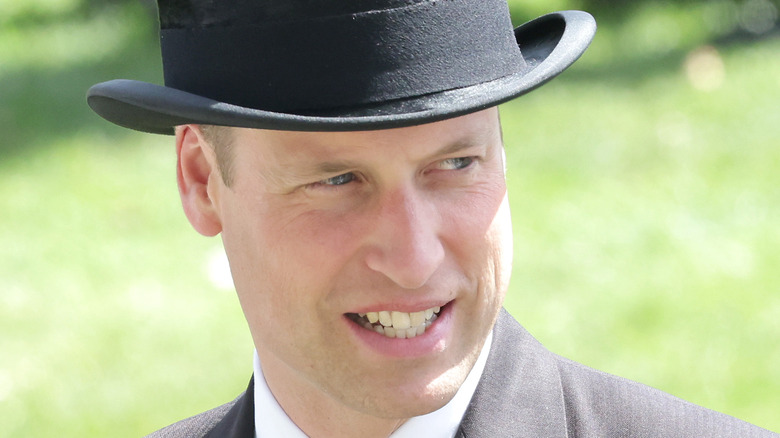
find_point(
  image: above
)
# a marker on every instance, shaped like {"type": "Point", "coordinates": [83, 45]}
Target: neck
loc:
{"type": "Point", "coordinates": [330, 423]}
{"type": "Point", "coordinates": [319, 415]}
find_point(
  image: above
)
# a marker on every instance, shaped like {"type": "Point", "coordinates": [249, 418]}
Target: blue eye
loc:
{"type": "Point", "coordinates": [339, 180]}
{"type": "Point", "coordinates": [456, 163]}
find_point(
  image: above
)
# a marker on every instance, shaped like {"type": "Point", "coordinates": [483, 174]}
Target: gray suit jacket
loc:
{"type": "Point", "coordinates": [527, 391]}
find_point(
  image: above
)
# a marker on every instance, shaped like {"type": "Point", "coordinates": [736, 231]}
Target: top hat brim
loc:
{"type": "Point", "coordinates": [549, 44]}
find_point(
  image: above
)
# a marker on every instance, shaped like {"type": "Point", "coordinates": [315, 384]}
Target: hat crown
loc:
{"type": "Point", "coordinates": [309, 57]}
{"type": "Point", "coordinates": [177, 14]}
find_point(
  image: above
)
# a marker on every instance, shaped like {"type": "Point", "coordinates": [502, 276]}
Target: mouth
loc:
{"type": "Point", "coordinates": [394, 324]}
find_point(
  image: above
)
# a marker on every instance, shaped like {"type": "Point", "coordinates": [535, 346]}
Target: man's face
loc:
{"type": "Point", "coordinates": [324, 228]}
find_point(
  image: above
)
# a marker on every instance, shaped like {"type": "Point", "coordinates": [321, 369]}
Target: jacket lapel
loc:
{"type": "Point", "coordinates": [520, 393]}
{"type": "Point", "coordinates": [239, 422]}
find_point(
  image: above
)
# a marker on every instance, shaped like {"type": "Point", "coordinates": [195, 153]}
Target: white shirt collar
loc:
{"type": "Point", "coordinates": [442, 423]}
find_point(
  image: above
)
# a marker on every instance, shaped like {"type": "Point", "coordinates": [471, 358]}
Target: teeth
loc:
{"type": "Point", "coordinates": [385, 319]}
{"type": "Point", "coordinates": [402, 325]}
{"type": "Point", "coordinates": [401, 320]}
{"type": "Point", "coordinates": [417, 318]}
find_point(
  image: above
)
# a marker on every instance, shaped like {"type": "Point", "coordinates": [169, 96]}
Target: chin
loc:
{"type": "Point", "coordinates": [405, 409]}
{"type": "Point", "coordinates": [422, 398]}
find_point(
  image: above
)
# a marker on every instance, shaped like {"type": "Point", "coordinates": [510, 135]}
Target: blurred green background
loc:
{"type": "Point", "coordinates": [644, 188]}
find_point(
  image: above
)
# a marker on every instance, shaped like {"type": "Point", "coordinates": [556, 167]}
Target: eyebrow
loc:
{"type": "Point", "coordinates": [328, 167]}
{"type": "Point", "coordinates": [315, 171]}
{"type": "Point", "coordinates": [460, 145]}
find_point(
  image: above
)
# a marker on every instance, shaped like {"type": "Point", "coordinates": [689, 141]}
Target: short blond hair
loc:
{"type": "Point", "coordinates": [220, 138]}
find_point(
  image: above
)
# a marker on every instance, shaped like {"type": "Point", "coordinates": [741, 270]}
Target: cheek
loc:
{"type": "Point", "coordinates": [479, 216]}
{"type": "Point", "coordinates": [501, 232]}
{"type": "Point", "coordinates": [281, 255]}
{"type": "Point", "coordinates": [261, 265]}
{"type": "Point", "coordinates": [479, 234]}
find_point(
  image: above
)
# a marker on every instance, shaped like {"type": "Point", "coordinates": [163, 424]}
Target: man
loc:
{"type": "Point", "coordinates": [350, 155]}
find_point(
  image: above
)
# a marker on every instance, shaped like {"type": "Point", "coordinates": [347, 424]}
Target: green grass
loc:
{"type": "Point", "coordinates": [646, 229]}
{"type": "Point", "coordinates": [646, 220]}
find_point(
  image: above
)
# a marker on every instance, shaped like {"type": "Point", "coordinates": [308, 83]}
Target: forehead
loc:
{"type": "Point", "coordinates": [474, 129]}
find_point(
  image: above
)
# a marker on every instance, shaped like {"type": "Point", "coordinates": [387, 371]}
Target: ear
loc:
{"type": "Point", "coordinates": [196, 171]}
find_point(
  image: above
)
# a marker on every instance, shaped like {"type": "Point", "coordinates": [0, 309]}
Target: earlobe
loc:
{"type": "Point", "coordinates": [194, 174]}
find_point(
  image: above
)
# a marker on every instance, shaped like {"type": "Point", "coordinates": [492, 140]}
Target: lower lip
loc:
{"type": "Point", "coordinates": [432, 341]}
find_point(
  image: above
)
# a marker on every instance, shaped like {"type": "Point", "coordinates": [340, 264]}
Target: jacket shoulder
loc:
{"type": "Point", "coordinates": [196, 426]}
{"type": "Point", "coordinates": [599, 404]}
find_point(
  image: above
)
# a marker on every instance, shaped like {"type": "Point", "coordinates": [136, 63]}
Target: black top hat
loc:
{"type": "Point", "coordinates": [313, 65]}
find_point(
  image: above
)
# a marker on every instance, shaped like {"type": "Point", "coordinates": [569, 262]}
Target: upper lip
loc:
{"type": "Point", "coordinates": [402, 307]}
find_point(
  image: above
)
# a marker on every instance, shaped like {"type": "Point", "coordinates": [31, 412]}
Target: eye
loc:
{"type": "Point", "coordinates": [334, 184]}
{"type": "Point", "coordinates": [455, 163]}
{"type": "Point", "coordinates": [339, 180]}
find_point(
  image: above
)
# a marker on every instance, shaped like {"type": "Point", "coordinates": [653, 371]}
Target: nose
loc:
{"type": "Point", "coordinates": [405, 244]}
